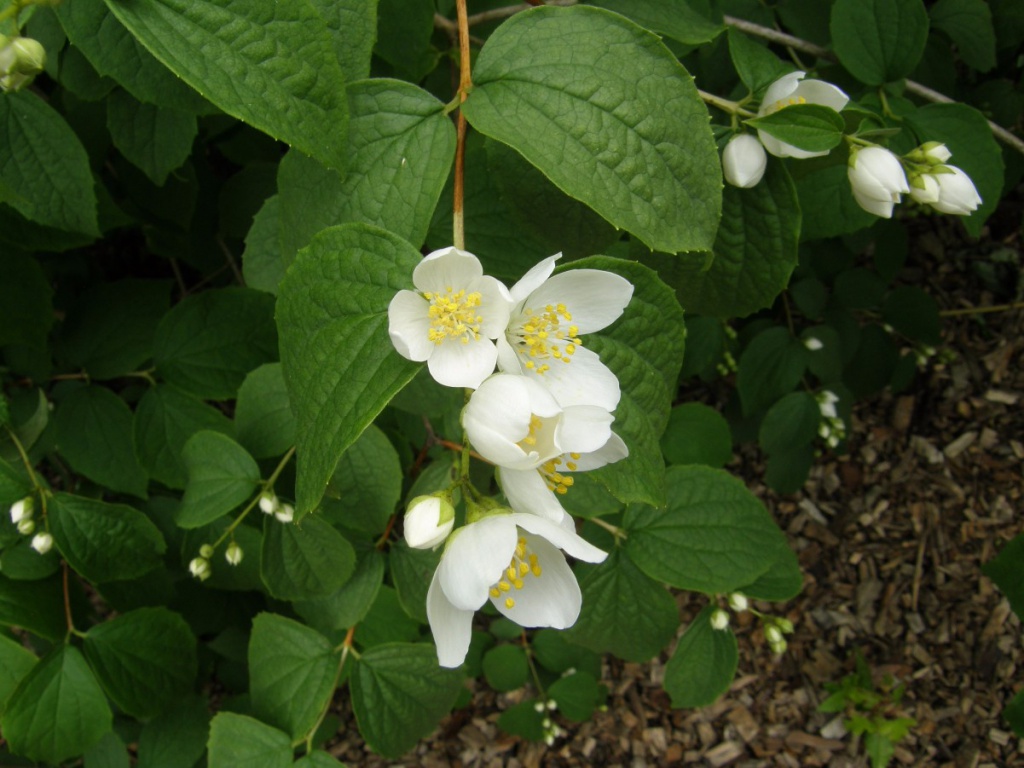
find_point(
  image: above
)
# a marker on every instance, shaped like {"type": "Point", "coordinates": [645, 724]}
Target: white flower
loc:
{"type": "Point", "coordinates": [793, 89]}
{"type": "Point", "coordinates": [200, 568]}
{"type": "Point", "coordinates": [233, 554]}
{"type": "Point", "coordinates": [744, 161]}
{"type": "Point", "coordinates": [548, 317]}
{"type": "Point", "coordinates": [285, 513]}
{"type": "Point", "coordinates": [719, 619]}
{"type": "Point", "coordinates": [517, 424]}
{"type": "Point", "coordinates": [22, 509]}
{"type": "Point", "coordinates": [954, 191]}
{"type": "Point", "coordinates": [877, 178]}
{"type": "Point", "coordinates": [428, 521]}
{"type": "Point", "coordinates": [42, 542]}
{"type": "Point", "coordinates": [449, 321]}
{"type": "Point", "coordinates": [827, 400]}
{"type": "Point", "coordinates": [513, 560]}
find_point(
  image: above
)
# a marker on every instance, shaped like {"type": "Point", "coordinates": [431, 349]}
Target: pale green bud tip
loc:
{"type": "Point", "coordinates": [200, 568]}
{"type": "Point", "coordinates": [206, 551]}
{"type": "Point", "coordinates": [233, 554]}
{"type": "Point", "coordinates": [42, 543]}
{"type": "Point", "coordinates": [719, 619]}
{"type": "Point", "coordinates": [286, 513]}
{"type": "Point", "coordinates": [738, 602]}
{"type": "Point", "coordinates": [22, 509]}
{"type": "Point", "coordinates": [428, 521]}
{"type": "Point", "coordinates": [785, 625]}
{"type": "Point", "coordinates": [26, 526]}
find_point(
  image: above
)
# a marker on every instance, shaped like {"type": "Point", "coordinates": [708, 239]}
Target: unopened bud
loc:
{"type": "Point", "coordinates": [206, 551]}
{"type": "Point", "coordinates": [21, 59]}
{"type": "Point", "coordinates": [233, 554]}
{"type": "Point", "coordinates": [269, 503]}
{"type": "Point", "coordinates": [719, 619]}
{"type": "Point", "coordinates": [286, 513]}
{"type": "Point", "coordinates": [429, 520]}
{"type": "Point", "coordinates": [785, 625]}
{"type": "Point", "coordinates": [22, 509]}
{"type": "Point", "coordinates": [200, 568]}
{"type": "Point", "coordinates": [26, 526]}
{"type": "Point", "coordinates": [538, 707]}
{"type": "Point", "coordinates": [813, 344]}
{"type": "Point", "coordinates": [738, 602]}
{"type": "Point", "coordinates": [42, 543]}
{"type": "Point", "coordinates": [773, 634]}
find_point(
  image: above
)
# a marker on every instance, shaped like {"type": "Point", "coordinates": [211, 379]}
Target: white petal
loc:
{"type": "Point", "coordinates": [451, 627]}
{"type": "Point", "coordinates": [780, 89]}
{"type": "Point", "coordinates": [744, 161]}
{"type": "Point", "coordinates": [928, 193]}
{"type": "Point", "coordinates": [527, 492]}
{"type": "Point", "coordinates": [474, 559]}
{"type": "Point", "coordinates": [594, 298]}
{"type": "Point", "coordinates": [881, 208]}
{"type": "Point", "coordinates": [455, 364]}
{"type": "Point", "coordinates": [561, 537]}
{"type": "Point", "coordinates": [409, 325]}
{"type": "Point", "coordinates": [508, 360]}
{"type": "Point", "coordinates": [584, 428]}
{"type": "Point", "coordinates": [773, 145]}
{"type": "Point", "coordinates": [820, 92]}
{"type": "Point", "coordinates": [609, 453]}
{"type": "Point", "coordinates": [446, 268]}
{"type": "Point", "coordinates": [498, 416]}
{"type": "Point", "coordinates": [552, 599]}
{"type": "Point", "coordinates": [533, 279]}
{"type": "Point", "coordinates": [585, 380]}
{"type": "Point", "coordinates": [495, 305]}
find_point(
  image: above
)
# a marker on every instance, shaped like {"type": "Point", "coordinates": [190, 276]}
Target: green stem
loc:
{"type": "Point", "coordinates": [268, 484]}
{"type": "Point", "coordinates": [617, 532]}
{"type": "Point", "coordinates": [981, 310]}
{"type": "Point", "coordinates": [533, 669]}
{"type": "Point", "coordinates": [346, 648]}
{"type": "Point", "coordinates": [732, 107]}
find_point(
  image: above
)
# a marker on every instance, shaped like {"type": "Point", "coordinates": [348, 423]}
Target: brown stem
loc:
{"type": "Point", "coordinates": [981, 310]}
{"type": "Point", "coordinates": [465, 83]}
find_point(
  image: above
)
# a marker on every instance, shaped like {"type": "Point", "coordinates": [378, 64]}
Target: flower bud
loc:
{"type": "Point", "coordinates": [744, 161]}
{"type": "Point", "coordinates": [269, 503]}
{"type": "Point", "coordinates": [738, 602]}
{"type": "Point", "coordinates": [957, 193]}
{"type": "Point", "coordinates": [924, 188]}
{"type": "Point", "coordinates": [877, 180]}
{"type": "Point", "coordinates": [200, 568]}
{"type": "Point", "coordinates": [21, 59]}
{"type": "Point", "coordinates": [42, 543]}
{"type": "Point", "coordinates": [285, 513]}
{"type": "Point", "coordinates": [813, 344]}
{"type": "Point", "coordinates": [935, 152]}
{"type": "Point", "coordinates": [206, 551]}
{"type": "Point", "coordinates": [429, 520]}
{"type": "Point", "coordinates": [773, 635]}
{"type": "Point", "coordinates": [26, 526]}
{"type": "Point", "coordinates": [233, 554]}
{"type": "Point", "coordinates": [719, 619]}
{"type": "Point", "coordinates": [22, 509]}
{"type": "Point", "coordinates": [785, 625]}
{"type": "Point", "coordinates": [827, 400]}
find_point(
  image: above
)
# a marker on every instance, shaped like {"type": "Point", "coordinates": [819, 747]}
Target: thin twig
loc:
{"type": "Point", "coordinates": [465, 84]}
{"type": "Point", "coordinates": [981, 310]}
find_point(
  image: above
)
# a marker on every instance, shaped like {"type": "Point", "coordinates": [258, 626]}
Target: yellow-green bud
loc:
{"type": "Point", "coordinates": [233, 554]}
{"type": "Point", "coordinates": [200, 568]}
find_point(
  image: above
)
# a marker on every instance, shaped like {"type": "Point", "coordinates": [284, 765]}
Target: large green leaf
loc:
{"type": "Point", "coordinates": [366, 484]}
{"type": "Point", "coordinates": [756, 65]}
{"type": "Point", "coordinates": [826, 202]}
{"type": "Point", "coordinates": [673, 18]}
{"type": "Point", "coordinates": [154, 139]}
{"type": "Point", "coordinates": [770, 367]}
{"type": "Point", "coordinates": [811, 127]}
{"type": "Point", "coordinates": [879, 40]}
{"type": "Point", "coordinates": [339, 364]}
{"type": "Point", "coordinates": [969, 24]}
{"type": "Point", "coordinates": [26, 301]}
{"type": "Point", "coordinates": [94, 432]}
{"type": "Point", "coordinates": [209, 342]}
{"type": "Point", "coordinates": [571, 89]}
{"type": "Point", "coordinates": [37, 606]}
{"type": "Point", "coordinates": [714, 536]}
{"type": "Point", "coordinates": [145, 659]}
{"type": "Point", "coordinates": [1007, 571]}
{"type": "Point", "coordinates": [697, 434]}
{"type": "Point", "coordinates": [45, 165]}
{"type": "Point", "coordinates": [15, 662]}
{"type": "Point", "coordinates": [271, 65]}
{"type": "Point", "coordinates": [411, 571]}
{"type": "Point", "coordinates": [401, 146]}
{"type": "Point", "coordinates": [399, 693]}
{"type": "Point", "coordinates": [221, 475]}
{"type": "Point", "coordinates": [237, 740]}
{"type": "Point", "coordinates": [644, 348]}
{"type": "Point", "coordinates": [350, 603]}
{"type": "Point", "coordinates": [703, 664]}
{"type": "Point", "coordinates": [790, 423]}
{"type": "Point", "coordinates": [755, 251]}
{"type": "Point", "coordinates": [353, 28]}
{"type": "Point", "coordinates": [304, 560]}
{"type": "Point", "coordinates": [104, 542]}
{"type": "Point", "coordinates": [175, 738]}
{"type": "Point", "coordinates": [292, 671]}
{"type": "Point", "coordinates": [263, 415]}
{"type": "Point", "coordinates": [625, 612]}
{"type": "Point", "coordinates": [58, 710]}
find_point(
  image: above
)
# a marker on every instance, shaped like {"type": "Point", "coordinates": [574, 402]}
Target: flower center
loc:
{"type": "Point", "coordinates": [545, 336]}
{"type": "Point", "coordinates": [523, 564]}
{"type": "Point", "coordinates": [453, 315]}
{"type": "Point", "coordinates": [783, 103]}
{"type": "Point", "coordinates": [553, 478]}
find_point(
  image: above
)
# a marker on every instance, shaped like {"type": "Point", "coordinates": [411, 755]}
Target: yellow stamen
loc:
{"type": "Point", "coordinates": [544, 335]}
{"type": "Point", "coordinates": [453, 315]}
{"type": "Point", "coordinates": [510, 603]}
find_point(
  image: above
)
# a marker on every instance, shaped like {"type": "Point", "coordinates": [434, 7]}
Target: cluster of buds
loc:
{"type": "Point", "coordinates": [22, 512]}
{"type": "Point", "coordinates": [720, 617]}
{"type": "Point", "coordinates": [271, 505]}
{"type": "Point", "coordinates": [552, 730]}
{"type": "Point", "coordinates": [200, 566]}
{"type": "Point", "coordinates": [728, 364]}
{"type": "Point", "coordinates": [21, 59]}
{"type": "Point", "coordinates": [775, 630]}
{"type": "Point", "coordinates": [831, 429]}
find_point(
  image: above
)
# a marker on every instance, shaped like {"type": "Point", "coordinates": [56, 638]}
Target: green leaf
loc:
{"type": "Point", "coordinates": [304, 560]}
{"type": "Point", "coordinates": [145, 659]}
{"type": "Point", "coordinates": [18, 561]}
{"type": "Point", "coordinates": [366, 484]}
{"type": "Point", "coordinates": [349, 604]}
{"type": "Point", "coordinates": [697, 434]}
{"type": "Point", "coordinates": [401, 146]}
{"type": "Point", "coordinates": [154, 139]}
{"type": "Point", "coordinates": [104, 542]}
{"type": "Point", "coordinates": [45, 165]}
{"type": "Point", "coordinates": [108, 752]}
{"type": "Point", "coordinates": [263, 415]}
{"type": "Point", "coordinates": [505, 667]}
{"type": "Point", "coordinates": [404, 29]}
{"type": "Point", "coordinates": [787, 469]}
{"type": "Point", "coordinates": [580, 113]}
{"type": "Point", "coordinates": [1014, 713]}
{"type": "Point", "coordinates": [318, 759]}
{"type": "Point", "coordinates": [411, 572]}
{"type": "Point", "coordinates": [114, 52]}
{"type": "Point", "coordinates": [237, 740]}
{"type": "Point", "coordinates": [757, 66]}
{"type": "Point", "coordinates": [175, 738]}
{"type": "Point", "coordinates": [624, 611]}
{"type": "Point", "coordinates": [671, 18]}
{"type": "Point", "coordinates": [164, 420]}
{"type": "Point", "coordinates": [266, 259]}
{"type": "Point", "coordinates": [555, 653]}
{"type": "Point", "coordinates": [94, 433]}
{"type": "Point", "coordinates": [15, 662]}
{"type": "Point", "coordinates": [109, 330]}
{"type": "Point", "coordinates": [26, 301]}
{"type": "Point", "coordinates": [1007, 572]}
{"type": "Point", "coordinates": [644, 348]}
{"type": "Point", "coordinates": [790, 423]}
{"type": "Point", "coordinates": [333, 307]}
{"type": "Point", "coordinates": [966, 133]}
{"type": "Point", "coordinates": [703, 665]}
{"type": "Point", "coordinates": [270, 65]}
{"type": "Point", "coordinates": [808, 126]}
{"type": "Point", "coordinates": [714, 537]}
{"type": "Point", "coordinates": [57, 711]}
{"type": "Point", "coordinates": [914, 313]}
{"type": "Point", "coordinates": [770, 367]}
{"type": "Point", "coordinates": [873, 363]}
{"type": "Point", "coordinates": [386, 622]}
{"type": "Point", "coordinates": [353, 28]}
{"type": "Point", "coordinates": [292, 672]}
{"type": "Point", "coordinates": [221, 475]}
{"type": "Point", "coordinates": [827, 205]}
{"type": "Point", "coordinates": [968, 24]}
{"type": "Point", "coordinates": [399, 693]}
{"type": "Point", "coordinates": [879, 748]}
{"type": "Point", "coordinates": [755, 251]}
{"type": "Point", "coordinates": [577, 695]}
{"type": "Point", "coordinates": [209, 342]}
{"type": "Point", "coordinates": [523, 720]}
{"type": "Point", "coordinates": [33, 605]}
{"type": "Point", "coordinates": [879, 41]}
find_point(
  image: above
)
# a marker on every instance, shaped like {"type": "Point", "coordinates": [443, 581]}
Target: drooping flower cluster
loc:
{"type": "Point", "coordinates": [542, 416]}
